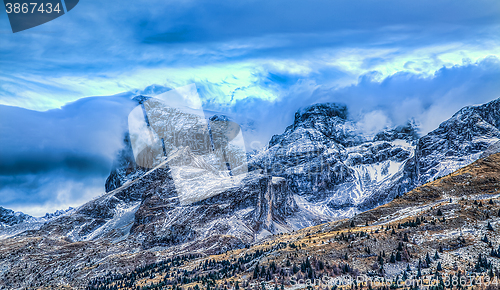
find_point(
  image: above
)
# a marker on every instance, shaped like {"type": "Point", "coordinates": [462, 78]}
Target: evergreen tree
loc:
{"type": "Point", "coordinates": [439, 212]}
{"type": "Point", "coordinates": [428, 259]}
{"type": "Point", "coordinates": [493, 253]}
{"type": "Point", "coordinates": [256, 271]}
{"type": "Point", "coordinates": [381, 260]}
{"type": "Point", "coordinates": [436, 256]}
{"type": "Point", "coordinates": [398, 256]}
{"type": "Point", "coordinates": [310, 274]}
{"type": "Point", "coordinates": [308, 263]}
{"type": "Point", "coordinates": [439, 268]}
{"type": "Point", "coordinates": [393, 258]}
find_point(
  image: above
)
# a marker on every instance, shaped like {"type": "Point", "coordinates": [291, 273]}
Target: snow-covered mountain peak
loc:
{"type": "Point", "coordinates": [9, 218]}
{"type": "Point", "coordinates": [320, 168]}
{"type": "Point", "coordinates": [322, 110]}
{"type": "Point", "coordinates": [407, 132]}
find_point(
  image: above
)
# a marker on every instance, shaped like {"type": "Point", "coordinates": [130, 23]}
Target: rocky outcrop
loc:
{"type": "Point", "coordinates": [456, 143]}
{"type": "Point", "coordinates": [9, 218]}
{"type": "Point", "coordinates": [319, 169]}
{"type": "Point", "coordinates": [335, 168]}
{"type": "Point", "coordinates": [260, 205]}
{"type": "Point", "coordinates": [406, 132]}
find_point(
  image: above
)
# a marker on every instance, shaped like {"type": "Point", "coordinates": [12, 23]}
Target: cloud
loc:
{"type": "Point", "coordinates": [428, 99]}
{"type": "Point", "coordinates": [258, 61]}
{"type": "Point", "coordinates": [49, 157]}
{"type": "Point", "coordinates": [372, 102]}
{"type": "Point", "coordinates": [40, 193]}
{"type": "Point", "coordinates": [104, 48]}
{"type": "Point", "coordinates": [373, 122]}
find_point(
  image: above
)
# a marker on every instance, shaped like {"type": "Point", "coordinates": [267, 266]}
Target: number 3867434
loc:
{"type": "Point", "coordinates": [32, 8]}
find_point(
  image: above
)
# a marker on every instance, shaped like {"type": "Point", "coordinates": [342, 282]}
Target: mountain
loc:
{"type": "Point", "coordinates": [326, 169]}
{"type": "Point", "coordinates": [450, 216]}
{"type": "Point", "coordinates": [9, 218]}
{"type": "Point", "coordinates": [442, 229]}
{"type": "Point", "coordinates": [336, 171]}
{"type": "Point", "coordinates": [457, 142]}
{"type": "Point", "coordinates": [183, 199]}
{"type": "Point", "coordinates": [331, 167]}
{"type": "Point", "coordinates": [149, 207]}
{"type": "Point", "coordinates": [55, 214]}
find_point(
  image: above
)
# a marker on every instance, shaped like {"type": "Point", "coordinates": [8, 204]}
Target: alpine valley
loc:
{"type": "Point", "coordinates": [321, 199]}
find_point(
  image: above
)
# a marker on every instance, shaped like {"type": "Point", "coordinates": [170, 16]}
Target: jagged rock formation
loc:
{"type": "Point", "coordinates": [404, 132]}
{"type": "Point", "coordinates": [330, 166]}
{"type": "Point", "coordinates": [456, 143]}
{"type": "Point", "coordinates": [9, 218]}
{"type": "Point", "coordinates": [319, 169]}
{"type": "Point", "coordinates": [259, 206]}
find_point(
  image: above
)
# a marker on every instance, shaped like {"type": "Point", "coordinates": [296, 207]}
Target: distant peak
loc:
{"type": "Point", "coordinates": [141, 99]}
{"type": "Point", "coordinates": [408, 132]}
{"type": "Point", "coordinates": [219, 118]}
{"type": "Point", "coordinates": [10, 218]}
{"type": "Point", "coordinates": [323, 109]}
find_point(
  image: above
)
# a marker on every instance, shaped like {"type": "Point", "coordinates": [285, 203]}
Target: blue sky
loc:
{"type": "Point", "coordinates": [389, 61]}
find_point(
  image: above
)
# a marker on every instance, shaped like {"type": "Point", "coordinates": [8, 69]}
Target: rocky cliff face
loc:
{"type": "Point", "coordinates": [183, 202]}
{"type": "Point", "coordinates": [9, 218]}
{"type": "Point", "coordinates": [259, 207]}
{"type": "Point", "coordinates": [456, 143]}
{"type": "Point", "coordinates": [331, 167]}
{"type": "Point", "coordinates": [321, 168]}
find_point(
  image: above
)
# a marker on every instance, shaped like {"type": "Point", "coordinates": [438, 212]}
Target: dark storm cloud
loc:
{"type": "Point", "coordinates": [117, 36]}
{"type": "Point", "coordinates": [70, 145]}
